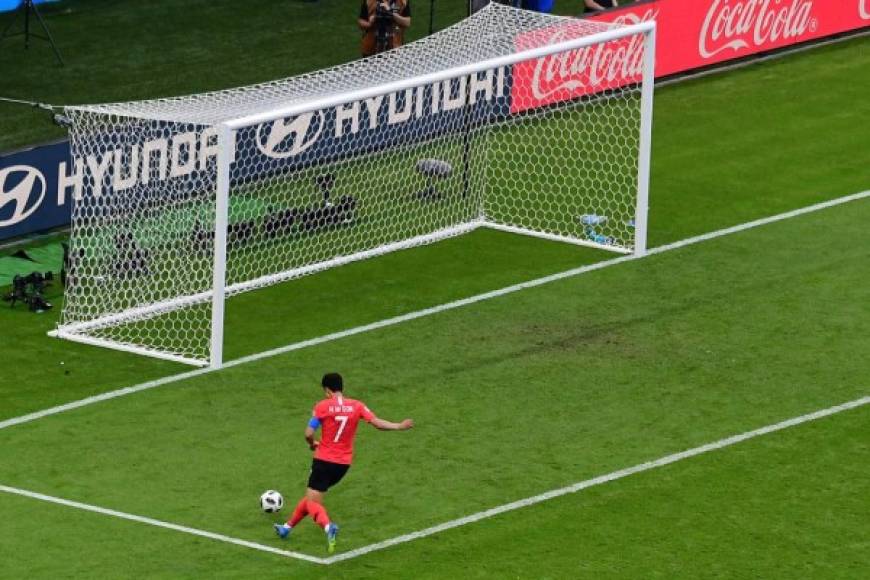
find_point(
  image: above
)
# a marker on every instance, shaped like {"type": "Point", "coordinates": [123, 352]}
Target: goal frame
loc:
{"type": "Point", "coordinates": [226, 152]}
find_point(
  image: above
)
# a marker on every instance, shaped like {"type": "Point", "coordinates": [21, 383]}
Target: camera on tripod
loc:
{"type": "Point", "coordinates": [385, 25]}
{"type": "Point", "coordinates": [29, 290]}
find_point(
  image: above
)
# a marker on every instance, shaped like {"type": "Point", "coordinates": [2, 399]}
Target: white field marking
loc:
{"type": "Point", "coordinates": [430, 311]}
{"type": "Point", "coordinates": [574, 488]}
{"type": "Point", "coordinates": [101, 397]}
{"type": "Point", "coordinates": [160, 524]}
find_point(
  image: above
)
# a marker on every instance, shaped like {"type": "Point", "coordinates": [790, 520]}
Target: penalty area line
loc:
{"type": "Point", "coordinates": [432, 310]}
{"type": "Point", "coordinates": [160, 524]}
{"type": "Point", "coordinates": [492, 512]}
{"type": "Point", "coordinates": [601, 479]}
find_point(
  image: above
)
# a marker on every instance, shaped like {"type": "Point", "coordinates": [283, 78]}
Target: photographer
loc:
{"type": "Point", "coordinates": [383, 23]}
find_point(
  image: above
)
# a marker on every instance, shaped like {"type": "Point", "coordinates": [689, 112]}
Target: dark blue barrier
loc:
{"type": "Point", "coordinates": [364, 127]}
{"type": "Point", "coordinates": [35, 190]}
{"type": "Point", "coordinates": [151, 159]}
{"type": "Point", "coordinates": [36, 186]}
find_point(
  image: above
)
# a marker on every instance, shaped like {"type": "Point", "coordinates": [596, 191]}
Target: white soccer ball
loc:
{"type": "Point", "coordinates": [271, 501]}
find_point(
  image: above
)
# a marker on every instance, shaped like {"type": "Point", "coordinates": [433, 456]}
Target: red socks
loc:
{"type": "Point", "coordinates": [318, 514]}
{"type": "Point", "coordinates": [305, 507]}
{"type": "Point", "coordinates": [299, 513]}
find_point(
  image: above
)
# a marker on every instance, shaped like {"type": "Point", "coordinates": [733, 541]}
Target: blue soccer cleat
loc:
{"type": "Point", "coordinates": [282, 531]}
{"type": "Point", "coordinates": [331, 537]}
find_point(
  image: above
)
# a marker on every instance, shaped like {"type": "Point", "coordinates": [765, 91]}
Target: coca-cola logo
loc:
{"type": "Point", "coordinates": [602, 64]}
{"type": "Point", "coordinates": [864, 9]}
{"type": "Point", "coordinates": [735, 25]}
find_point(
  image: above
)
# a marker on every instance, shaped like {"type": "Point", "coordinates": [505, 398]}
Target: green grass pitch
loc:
{"type": "Point", "coordinates": [513, 396]}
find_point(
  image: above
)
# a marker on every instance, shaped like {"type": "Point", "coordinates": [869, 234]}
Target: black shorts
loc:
{"type": "Point", "coordinates": [325, 474]}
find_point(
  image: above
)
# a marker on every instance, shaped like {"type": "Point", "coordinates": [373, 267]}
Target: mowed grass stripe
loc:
{"type": "Point", "coordinates": [600, 480]}
{"type": "Point", "coordinates": [787, 505]}
{"type": "Point", "coordinates": [427, 312]}
{"type": "Point", "coordinates": [465, 520]}
{"type": "Point", "coordinates": [783, 506]}
{"type": "Point", "coordinates": [543, 388]}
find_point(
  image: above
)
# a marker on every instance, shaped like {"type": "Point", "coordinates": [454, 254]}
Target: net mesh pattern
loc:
{"type": "Point", "coordinates": [545, 147]}
{"type": "Point", "coordinates": [489, 33]}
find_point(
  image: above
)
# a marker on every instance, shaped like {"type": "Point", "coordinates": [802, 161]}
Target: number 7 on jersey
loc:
{"type": "Point", "coordinates": [343, 420]}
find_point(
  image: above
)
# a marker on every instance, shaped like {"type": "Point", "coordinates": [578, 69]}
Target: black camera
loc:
{"type": "Point", "coordinates": [29, 289]}
{"type": "Point", "coordinates": [385, 25]}
{"type": "Point", "coordinates": [382, 13]}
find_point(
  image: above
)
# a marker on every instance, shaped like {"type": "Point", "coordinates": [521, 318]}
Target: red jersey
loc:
{"type": "Point", "coordinates": [339, 417]}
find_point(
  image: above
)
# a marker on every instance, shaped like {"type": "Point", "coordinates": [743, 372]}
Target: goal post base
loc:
{"type": "Point", "coordinates": [76, 332]}
{"type": "Point", "coordinates": [555, 237]}
{"type": "Point", "coordinates": [92, 341]}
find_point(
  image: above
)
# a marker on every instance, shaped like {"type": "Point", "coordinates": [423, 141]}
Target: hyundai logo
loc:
{"type": "Point", "coordinates": [278, 143]}
{"type": "Point", "coordinates": [24, 187]}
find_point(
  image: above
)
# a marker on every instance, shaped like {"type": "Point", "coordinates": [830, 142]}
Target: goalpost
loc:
{"type": "Point", "coordinates": [513, 120]}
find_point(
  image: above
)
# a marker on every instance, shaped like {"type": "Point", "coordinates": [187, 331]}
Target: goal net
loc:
{"type": "Point", "coordinates": [520, 121]}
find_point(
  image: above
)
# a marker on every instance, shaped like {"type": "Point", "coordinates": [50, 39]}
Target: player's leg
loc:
{"type": "Point", "coordinates": [299, 513]}
{"type": "Point", "coordinates": [324, 475]}
{"type": "Point", "coordinates": [328, 474]}
{"type": "Point", "coordinates": [321, 518]}
{"type": "Point", "coordinates": [314, 503]}
{"type": "Point", "coordinates": [315, 479]}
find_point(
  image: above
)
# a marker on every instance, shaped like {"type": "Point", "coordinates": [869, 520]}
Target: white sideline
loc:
{"type": "Point", "coordinates": [430, 311]}
{"type": "Point", "coordinates": [159, 523]}
{"type": "Point", "coordinates": [574, 488]}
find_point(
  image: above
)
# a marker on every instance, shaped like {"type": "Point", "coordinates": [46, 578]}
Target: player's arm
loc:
{"type": "Point", "coordinates": [310, 430]}
{"type": "Point", "coordinates": [383, 425]}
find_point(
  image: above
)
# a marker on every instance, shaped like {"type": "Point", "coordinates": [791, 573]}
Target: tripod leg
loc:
{"type": "Point", "coordinates": [27, 6]}
{"type": "Point", "coordinates": [47, 33]}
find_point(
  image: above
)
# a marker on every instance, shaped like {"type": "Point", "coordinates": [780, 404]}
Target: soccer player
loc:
{"type": "Point", "coordinates": [339, 417]}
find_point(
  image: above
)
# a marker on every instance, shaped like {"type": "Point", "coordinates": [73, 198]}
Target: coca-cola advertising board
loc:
{"type": "Point", "coordinates": [566, 75]}
{"type": "Point", "coordinates": [691, 34]}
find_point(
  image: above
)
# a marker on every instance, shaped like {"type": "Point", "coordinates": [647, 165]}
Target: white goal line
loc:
{"type": "Point", "coordinates": [428, 311]}
{"type": "Point", "coordinates": [476, 517]}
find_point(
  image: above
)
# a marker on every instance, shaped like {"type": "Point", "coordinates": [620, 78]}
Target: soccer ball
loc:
{"type": "Point", "coordinates": [271, 501]}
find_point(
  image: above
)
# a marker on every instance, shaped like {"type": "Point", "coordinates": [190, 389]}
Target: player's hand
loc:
{"type": "Point", "coordinates": [314, 445]}
{"type": "Point", "coordinates": [406, 424]}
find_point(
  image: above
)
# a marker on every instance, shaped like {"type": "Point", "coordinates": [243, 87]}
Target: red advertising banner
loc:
{"type": "Point", "coordinates": [567, 75]}
{"type": "Point", "coordinates": [691, 34]}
